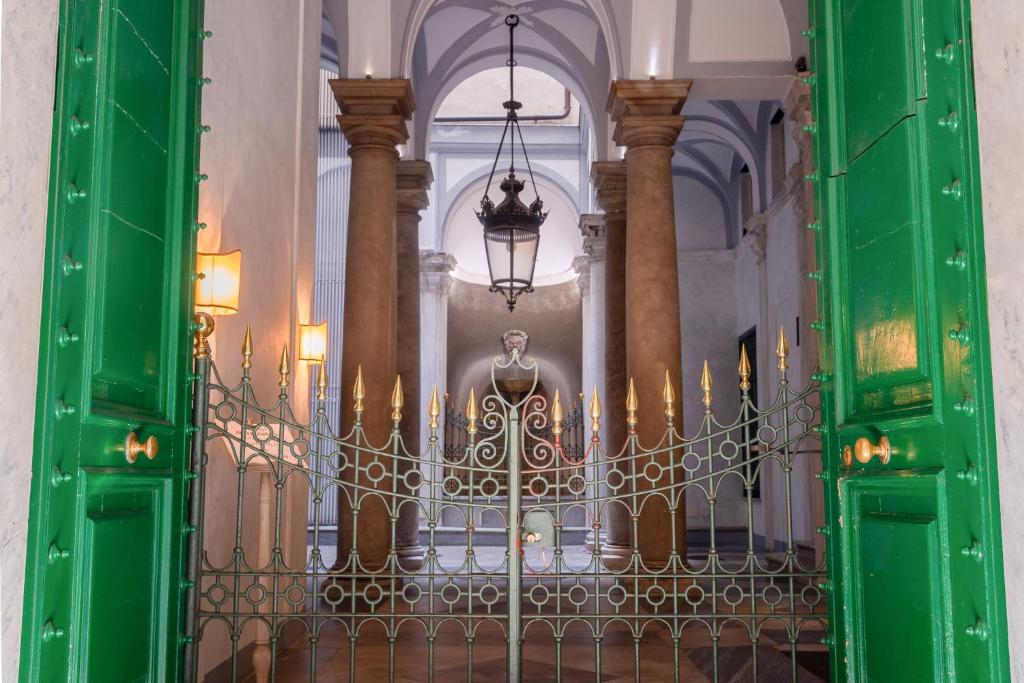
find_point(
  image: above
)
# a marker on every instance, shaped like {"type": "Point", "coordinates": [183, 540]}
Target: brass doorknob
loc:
{"type": "Point", "coordinates": [132, 447]}
{"type": "Point", "coordinates": [864, 450]}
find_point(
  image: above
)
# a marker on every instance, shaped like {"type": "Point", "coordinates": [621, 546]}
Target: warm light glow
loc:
{"type": "Point", "coordinates": [218, 282]}
{"type": "Point", "coordinates": [313, 342]}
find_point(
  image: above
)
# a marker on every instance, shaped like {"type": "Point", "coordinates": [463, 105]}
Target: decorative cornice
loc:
{"type": "Point", "coordinates": [647, 113]}
{"type": "Point", "coordinates": [413, 178]}
{"type": "Point", "coordinates": [435, 269]}
{"type": "Point", "coordinates": [374, 112]}
{"type": "Point", "coordinates": [581, 266]}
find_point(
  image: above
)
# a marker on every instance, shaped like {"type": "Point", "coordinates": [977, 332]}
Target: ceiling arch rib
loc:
{"type": "Point", "coordinates": [598, 13]}
{"type": "Point", "coordinates": [702, 128]}
{"type": "Point", "coordinates": [690, 162]}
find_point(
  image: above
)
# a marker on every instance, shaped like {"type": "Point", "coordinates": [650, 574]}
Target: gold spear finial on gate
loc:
{"type": "Point", "coordinates": [471, 414]}
{"type": "Point", "coordinates": [595, 412]}
{"type": "Point", "coordinates": [434, 409]}
{"type": "Point", "coordinates": [744, 369]}
{"type": "Point", "coordinates": [284, 368]}
{"type": "Point", "coordinates": [247, 349]}
{"type": "Point", "coordinates": [632, 405]}
{"type": "Point", "coordinates": [359, 391]}
{"type": "Point", "coordinates": [782, 350]}
{"type": "Point", "coordinates": [397, 400]}
{"type": "Point", "coordinates": [321, 381]}
{"type": "Point", "coordinates": [705, 385]}
{"type": "Point", "coordinates": [668, 395]}
{"type": "Point", "coordinates": [557, 415]}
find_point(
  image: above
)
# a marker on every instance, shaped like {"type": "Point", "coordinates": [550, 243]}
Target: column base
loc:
{"type": "Point", "coordinates": [410, 557]}
{"type": "Point", "coordinates": [616, 557]}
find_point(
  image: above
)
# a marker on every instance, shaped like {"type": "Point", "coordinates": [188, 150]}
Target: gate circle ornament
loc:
{"type": "Point", "coordinates": [732, 594]}
{"type": "Point", "coordinates": [256, 594]}
{"type": "Point", "coordinates": [539, 594]}
{"type": "Point", "coordinates": [694, 594]}
{"type": "Point", "coordinates": [655, 595]}
{"type": "Point", "coordinates": [489, 487]}
{"type": "Point", "coordinates": [810, 595]}
{"type": "Point", "coordinates": [614, 479]}
{"type": "Point", "coordinates": [653, 471]}
{"type": "Point", "coordinates": [578, 595]}
{"type": "Point", "coordinates": [262, 432]}
{"type": "Point", "coordinates": [452, 485]}
{"type": "Point", "coordinates": [373, 593]}
{"type": "Point", "coordinates": [413, 479]}
{"type": "Point", "coordinates": [376, 472]}
{"type": "Point", "coordinates": [412, 592]}
{"type": "Point", "coordinates": [766, 434]}
{"type": "Point", "coordinates": [225, 411]}
{"type": "Point", "coordinates": [617, 595]}
{"type": "Point", "coordinates": [772, 595]}
{"type": "Point", "coordinates": [489, 594]}
{"type": "Point", "coordinates": [691, 461]}
{"type": "Point", "coordinates": [451, 593]}
{"type": "Point", "coordinates": [804, 414]}
{"type": "Point", "coordinates": [295, 595]}
{"type": "Point", "coordinates": [576, 484]}
{"type": "Point", "coordinates": [217, 594]}
{"type": "Point", "coordinates": [729, 449]}
{"type": "Point", "coordinates": [538, 486]}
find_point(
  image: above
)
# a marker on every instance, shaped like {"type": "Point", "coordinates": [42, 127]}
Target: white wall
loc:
{"type": "Point", "coordinates": [261, 157]}
{"type": "Point", "coordinates": [998, 66]}
{"type": "Point", "coordinates": [28, 59]}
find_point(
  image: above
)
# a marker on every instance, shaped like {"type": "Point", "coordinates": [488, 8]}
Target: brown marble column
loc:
{"type": "Point", "coordinates": [373, 119]}
{"type": "Point", "coordinates": [414, 179]}
{"type": "Point", "coordinates": [647, 122]}
{"type": "Point", "coordinates": [609, 179]}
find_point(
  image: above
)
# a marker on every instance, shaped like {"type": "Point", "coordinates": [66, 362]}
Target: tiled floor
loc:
{"type": "Point", "coordinates": [696, 659]}
{"type": "Point", "coordinates": [731, 660]}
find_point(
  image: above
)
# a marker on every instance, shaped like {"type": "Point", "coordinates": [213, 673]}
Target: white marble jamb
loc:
{"type": "Point", "coordinates": [999, 65]}
{"type": "Point", "coordinates": [28, 54]}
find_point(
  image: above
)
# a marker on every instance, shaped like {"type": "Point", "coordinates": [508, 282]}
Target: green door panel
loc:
{"type": "Point", "coordinates": [892, 542]}
{"type": "Point", "coordinates": [115, 507]}
{"type": "Point", "coordinates": [889, 314]}
{"type": "Point", "coordinates": [883, 78]}
{"type": "Point", "coordinates": [914, 542]}
{"type": "Point", "coordinates": [107, 537]}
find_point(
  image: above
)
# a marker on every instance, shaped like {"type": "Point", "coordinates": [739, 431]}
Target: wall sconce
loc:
{"type": "Point", "coordinates": [218, 279]}
{"type": "Point", "coordinates": [313, 342]}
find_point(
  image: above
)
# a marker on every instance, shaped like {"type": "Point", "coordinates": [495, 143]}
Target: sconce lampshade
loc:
{"type": "Point", "coordinates": [313, 342]}
{"type": "Point", "coordinates": [218, 283]}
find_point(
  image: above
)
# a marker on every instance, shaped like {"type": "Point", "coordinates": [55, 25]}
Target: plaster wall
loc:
{"type": "Point", "coordinates": [998, 64]}
{"type": "Point", "coordinates": [260, 198]}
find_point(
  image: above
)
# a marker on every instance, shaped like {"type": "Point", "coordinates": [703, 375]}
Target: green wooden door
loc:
{"type": "Point", "coordinates": [914, 537]}
{"type": "Point", "coordinates": [105, 555]}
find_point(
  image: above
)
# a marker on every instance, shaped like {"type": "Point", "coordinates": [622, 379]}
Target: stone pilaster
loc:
{"type": "Point", "coordinates": [413, 180]}
{"type": "Point", "coordinates": [609, 180]}
{"type": "Point", "coordinates": [373, 119]}
{"type": "Point", "coordinates": [797, 105]}
{"type": "Point", "coordinates": [648, 119]}
{"type": "Point", "coordinates": [435, 283]}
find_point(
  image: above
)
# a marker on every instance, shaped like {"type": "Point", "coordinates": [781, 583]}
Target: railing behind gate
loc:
{"type": "Point", "coordinates": [269, 601]}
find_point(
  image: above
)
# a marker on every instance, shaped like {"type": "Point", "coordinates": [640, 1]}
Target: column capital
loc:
{"type": "Point", "coordinates": [435, 269]}
{"type": "Point", "coordinates": [609, 179]}
{"type": "Point", "coordinates": [581, 266]}
{"type": "Point", "coordinates": [414, 178]}
{"type": "Point", "coordinates": [593, 230]}
{"type": "Point", "coordinates": [374, 111]}
{"type": "Point", "coordinates": [647, 113]}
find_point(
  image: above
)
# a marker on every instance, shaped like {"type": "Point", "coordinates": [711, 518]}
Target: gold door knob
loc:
{"type": "Point", "coordinates": [132, 447]}
{"type": "Point", "coordinates": [864, 450]}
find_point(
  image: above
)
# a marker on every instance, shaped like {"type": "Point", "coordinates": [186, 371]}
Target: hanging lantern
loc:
{"type": "Point", "coordinates": [511, 229]}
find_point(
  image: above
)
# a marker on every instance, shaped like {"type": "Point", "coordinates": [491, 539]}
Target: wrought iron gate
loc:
{"type": "Point", "coordinates": [265, 606]}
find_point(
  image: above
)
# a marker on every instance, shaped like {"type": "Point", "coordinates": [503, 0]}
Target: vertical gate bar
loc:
{"type": "Point", "coordinates": [200, 406]}
{"type": "Point", "coordinates": [515, 567]}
